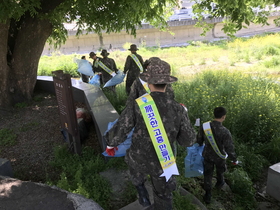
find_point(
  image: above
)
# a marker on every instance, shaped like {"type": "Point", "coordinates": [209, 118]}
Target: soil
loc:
{"type": "Point", "coordinates": [38, 130]}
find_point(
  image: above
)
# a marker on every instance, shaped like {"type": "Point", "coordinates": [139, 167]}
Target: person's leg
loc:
{"type": "Point", "coordinates": [208, 174]}
{"type": "Point", "coordinates": [220, 170]}
{"type": "Point", "coordinates": [128, 84]}
{"type": "Point", "coordinates": [138, 180]}
{"type": "Point", "coordinates": [163, 192]}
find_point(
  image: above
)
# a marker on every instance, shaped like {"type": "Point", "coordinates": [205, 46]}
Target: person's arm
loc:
{"type": "Point", "coordinates": [229, 147]}
{"type": "Point", "coordinates": [186, 135]}
{"type": "Point", "coordinates": [118, 133]}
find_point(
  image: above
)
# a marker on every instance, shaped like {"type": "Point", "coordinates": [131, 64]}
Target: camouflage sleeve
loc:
{"type": "Point", "coordinates": [200, 136]}
{"type": "Point", "coordinates": [127, 64]}
{"type": "Point", "coordinates": [186, 135]}
{"type": "Point", "coordinates": [229, 147]}
{"type": "Point", "coordinates": [118, 133]}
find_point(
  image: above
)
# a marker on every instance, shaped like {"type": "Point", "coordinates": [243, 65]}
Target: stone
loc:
{"type": "Point", "coordinates": [273, 184]}
{"type": "Point", "coordinates": [17, 194]}
{"type": "Point", "coordinates": [6, 168]}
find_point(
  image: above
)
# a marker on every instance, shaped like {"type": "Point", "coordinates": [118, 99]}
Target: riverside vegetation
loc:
{"type": "Point", "coordinates": [240, 74]}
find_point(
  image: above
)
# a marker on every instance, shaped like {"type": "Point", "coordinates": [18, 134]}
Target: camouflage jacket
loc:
{"type": "Point", "coordinates": [142, 153]}
{"type": "Point", "coordinates": [95, 68]}
{"type": "Point", "coordinates": [223, 140]}
{"type": "Point", "coordinates": [138, 90]}
{"type": "Point", "coordinates": [110, 63]}
{"type": "Point", "coordinates": [131, 67]}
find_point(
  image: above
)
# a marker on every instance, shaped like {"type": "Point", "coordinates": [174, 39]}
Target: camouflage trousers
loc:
{"type": "Point", "coordinates": [209, 170]}
{"type": "Point", "coordinates": [128, 85]}
{"type": "Point", "coordinates": [162, 190]}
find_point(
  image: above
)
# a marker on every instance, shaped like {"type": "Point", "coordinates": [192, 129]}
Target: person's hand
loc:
{"type": "Point", "coordinates": [236, 162]}
{"type": "Point", "coordinates": [184, 106]}
{"type": "Point", "coordinates": [111, 150]}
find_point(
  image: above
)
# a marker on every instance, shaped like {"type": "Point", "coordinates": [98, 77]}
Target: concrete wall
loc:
{"type": "Point", "coordinates": [183, 31]}
{"type": "Point", "coordinates": [273, 183]}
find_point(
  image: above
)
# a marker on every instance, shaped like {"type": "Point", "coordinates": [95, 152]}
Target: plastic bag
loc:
{"type": "Point", "coordinates": [117, 79]}
{"type": "Point", "coordinates": [84, 67]}
{"type": "Point", "coordinates": [123, 146]}
{"type": "Point", "coordinates": [194, 161]}
{"type": "Point", "coordinates": [95, 80]}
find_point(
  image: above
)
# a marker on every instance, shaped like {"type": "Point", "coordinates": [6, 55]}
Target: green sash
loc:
{"type": "Point", "coordinates": [211, 139]}
{"type": "Point", "coordinates": [158, 135]}
{"type": "Point", "coordinates": [136, 60]}
{"type": "Point", "coordinates": [105, 68]}
{"type": "Point", "coordinates": [145, 85]}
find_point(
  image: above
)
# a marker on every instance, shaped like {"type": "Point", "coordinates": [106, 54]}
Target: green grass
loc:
{"type": "Point", "coordinates": [7, 137]}
{"type": "Point", "coordinates": [243, 79]}
{"type": "Point", "coordinates": [255, 54]}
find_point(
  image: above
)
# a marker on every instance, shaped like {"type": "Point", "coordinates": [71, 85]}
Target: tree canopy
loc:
{"type": "Point", "coordinates": [237, 13]}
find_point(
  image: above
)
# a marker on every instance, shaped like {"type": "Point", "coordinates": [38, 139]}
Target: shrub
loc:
{"type": "Point", "coordinates": [273, 62]}
{"type": "Point", "coordinates": [242, 186]}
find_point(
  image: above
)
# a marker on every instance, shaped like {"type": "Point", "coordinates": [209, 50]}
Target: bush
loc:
{"type": "Point", "coordinates": [242, 186]}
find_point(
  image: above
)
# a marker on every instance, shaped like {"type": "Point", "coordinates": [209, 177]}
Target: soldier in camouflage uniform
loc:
{"type": "Point", "coordinates": [131, 68]}
{"type": "Point", "coordinates": [138, 90]}
{"type": "Point", "coordinates": [110, 63]}
{"type": "Point", "coordinates": [141, 157]}
{"type": "Point", "coordinates": [224, 142]}
{"type": "Point", "coordinates": [95, 59]}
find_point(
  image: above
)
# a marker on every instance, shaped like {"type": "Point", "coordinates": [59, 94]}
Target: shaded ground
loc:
{"type": "Point", "coordinates": [37, 127]}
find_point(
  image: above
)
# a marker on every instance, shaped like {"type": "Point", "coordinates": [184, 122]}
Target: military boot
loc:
{"type": "Point", "coordinates": [207, 197]}
{"type": "Point", "coordinates": [143, 195]}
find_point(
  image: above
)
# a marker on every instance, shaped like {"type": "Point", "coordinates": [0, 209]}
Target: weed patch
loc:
{"type": "Point", "coordinates": [7, 137]}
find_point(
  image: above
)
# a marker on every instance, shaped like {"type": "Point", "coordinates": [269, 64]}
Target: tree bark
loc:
{"type": "Point", "coordinates": [21, 48]}
{"type": "Point", "coordinates": [101, 41]}
{"type": "Point", "coordinates": [4, 68]}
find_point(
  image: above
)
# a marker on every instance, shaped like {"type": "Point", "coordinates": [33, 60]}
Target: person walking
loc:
{"type": "Point", "coordinates": [139, 87]}
{"type": "Point", "coordinates": [133, 67]}
{"type": "Point", "coordinates": [218, 146]}
{"type": "Point", "coordinates": [95, 69]}
{"type": "Point", "coordinates": [158, 122]}
{"type": "Point", "coordinates": [106, 67]}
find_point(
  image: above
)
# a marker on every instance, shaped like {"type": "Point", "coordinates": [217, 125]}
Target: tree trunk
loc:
{"type": "Point", "coordinates": [21, 47]}
{"type": "Point", "coordinates": [101, 41]}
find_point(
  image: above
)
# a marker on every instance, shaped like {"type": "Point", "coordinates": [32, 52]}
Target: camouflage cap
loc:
{"type": "Point", "coordinates": [158, 72]}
